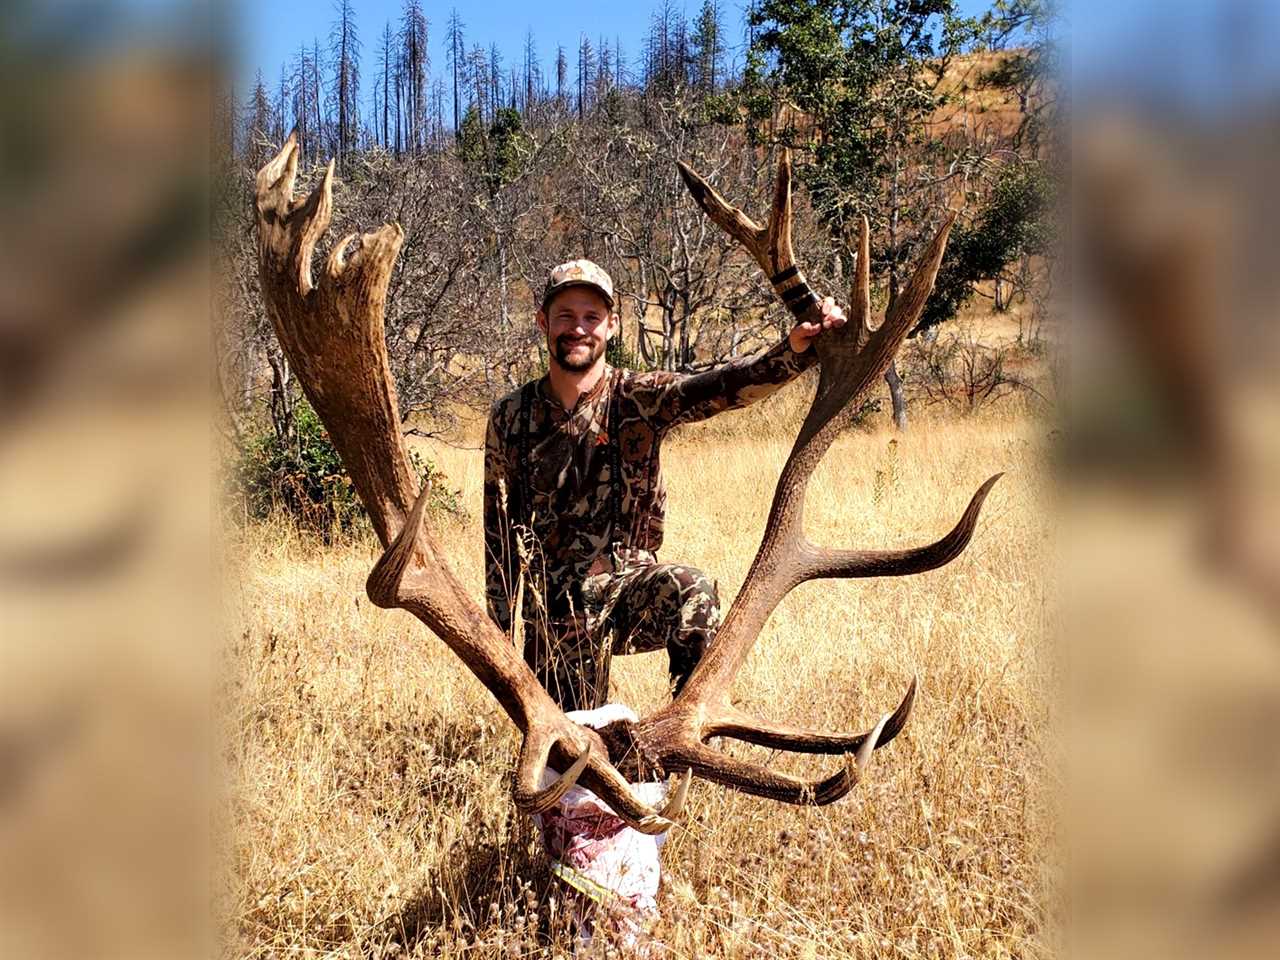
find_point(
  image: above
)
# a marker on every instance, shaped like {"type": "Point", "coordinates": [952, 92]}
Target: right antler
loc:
{"type": "Point", "coordinates": [852, 358]}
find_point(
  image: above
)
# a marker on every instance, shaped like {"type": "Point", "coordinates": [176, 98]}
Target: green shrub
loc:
{"type": "Point", "coordinates": [305, 480]}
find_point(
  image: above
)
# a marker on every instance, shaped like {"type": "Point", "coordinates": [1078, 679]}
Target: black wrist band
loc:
{"type": "Point", "coordinates": [801, 306]}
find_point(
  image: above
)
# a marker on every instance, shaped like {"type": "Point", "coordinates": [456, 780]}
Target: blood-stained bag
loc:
{"type": "Point", "coordinates": [614, 869]}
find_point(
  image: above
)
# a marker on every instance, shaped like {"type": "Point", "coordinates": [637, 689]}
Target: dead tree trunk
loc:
{"type": "Point", "coordinates": [896, 396]}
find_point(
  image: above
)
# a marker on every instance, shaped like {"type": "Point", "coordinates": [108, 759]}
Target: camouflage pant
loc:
{"type": "Point", "coordinates": [640, 607]}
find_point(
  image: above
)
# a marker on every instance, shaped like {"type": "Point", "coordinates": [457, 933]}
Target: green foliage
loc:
{"type": "Point", "coordinates": [304, 478]}
{"type": "Point", "coordinates": [497, 152]}
{"type": "Point", "coordinates": [1012, 222]}
{"type": "Point", "coordinates": [863, 72]}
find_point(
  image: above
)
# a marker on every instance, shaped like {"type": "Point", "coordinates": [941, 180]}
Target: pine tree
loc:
{"type": "Point", "coordinates": [478, 80]}
{"type": "Point", "coordinates": [495, 80]}
{"type": "Point", "coordinates": [282, 104]}
{"type": "Point", "coordinates": [344, 52]}
{"type": "Point", "coordinates": [455, 42]}
{"type": "Point", "coordinates": [386, 64]}
{"type": "Point", "coordinates": [530, 71]}
{"type": "Point", "coordinates": [300, 83]}
{"type": "Point", "coordinates": [316, 102]}
{"type": "Point", "coordinates": [586, 68]}
{"type": "Point", "coordinates": [417, 67]}
{"type": "Point", "coordinates": [708, 48]}
{"type": "Point", "coordinates": [562, 74]}
{"type": "Point", "coordinates": [260, 123]}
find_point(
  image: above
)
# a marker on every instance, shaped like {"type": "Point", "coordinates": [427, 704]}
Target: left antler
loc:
{"type": "Point", "coordinates": [331, 329]}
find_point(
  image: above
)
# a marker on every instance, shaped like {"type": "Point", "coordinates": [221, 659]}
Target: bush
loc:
{"type": "Point", "coordinates": [958, 369]}
{"type": "Point", "coordinates": [304, 479]}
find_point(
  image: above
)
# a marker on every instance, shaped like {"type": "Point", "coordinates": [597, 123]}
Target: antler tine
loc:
{"type": "Point", "coordinates": [675, 804]}
{"type": "Point", "coordinates": [825, 562]}
{"type": "Point", "coordinates": [530, 796]}
{"type": "Point", "coordinates": [275, 180]}
{"type": "Point", "coordinates": [737, 725]}
{"type": "Point", "coordinates": [613, 789]}
{"type": "Point", "coordinates": [910, 302]}
{"type": "Point", "coordinates": [383, 584]}
{"type": "Point", "coordinates": [760, 781]}
{"type": "Point", "coordinates": [779, 233]}
{"type": "Point", "coordinates": [725, 215]}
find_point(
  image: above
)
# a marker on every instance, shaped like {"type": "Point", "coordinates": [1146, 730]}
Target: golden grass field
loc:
{"type": "Point", "coordinates": [371, 771]}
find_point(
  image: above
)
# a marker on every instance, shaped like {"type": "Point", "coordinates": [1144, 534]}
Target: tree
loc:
{"type": "Point", "coordinates": [604, 70]}
{"type": "Point", "coordinates": [260, 123]}
{"type": "Point", "coordinates": [1027, 31]}
{"type": "Point", "coordinates": [864, 78]}
{"type": "Point", "coordinates": [666, 51]}
{"type": "Point", "coordinates": [282, 105]}
{"type": "Point", "coordinates": [300, 98]}
{"type": "Point", "coordinates": [417, 66]}
{"type": "Point", "coordinates": [586, 67]}
{"type": "Point", "coordinates": [562, 75]}
{"type": "Point", "coordinates": [708, 47]}
{"type": "Point", "coordinates": [344, 52]}
{"type": "Point", "coordinates": [387, 67]}
{"type": "Point", "coordinates": [1011, 224]}
{"type": "Point", "coordinates": [478, 79]}
{"type": "Point", "coordinates": [531, 72]}
{"type": "Point", "coordinates": [495, 80]}
{"type": "Point", "coordinates": [316, 100]}
{"type": "Point", "coordinates": [456, 46]}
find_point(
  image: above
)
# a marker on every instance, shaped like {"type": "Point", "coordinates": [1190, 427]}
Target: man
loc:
{"type": "Point", "coordinates": [574, 501]}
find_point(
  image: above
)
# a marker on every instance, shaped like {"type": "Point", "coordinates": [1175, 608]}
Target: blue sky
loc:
{"type": "Point", "coordinates": [271, 31]}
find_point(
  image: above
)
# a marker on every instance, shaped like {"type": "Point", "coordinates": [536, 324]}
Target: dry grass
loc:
{"type": "Point", "coordinates": [371, 770]}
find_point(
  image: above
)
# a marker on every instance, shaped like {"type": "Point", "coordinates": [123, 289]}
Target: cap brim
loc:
{"type": "Point", "coordinates": [560, 288]}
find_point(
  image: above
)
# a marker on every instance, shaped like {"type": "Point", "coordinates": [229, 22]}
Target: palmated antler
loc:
{"type": "Point", "coordinates": [332, 332]}
{"type": "Point", "coordinates": [331, 329]}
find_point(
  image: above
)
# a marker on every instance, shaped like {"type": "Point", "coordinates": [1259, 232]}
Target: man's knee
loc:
{"type": "Point", "coordinates": [666, 603]}
{"type": "Point", "coordinates": [683, 597]}
{"type": "Point", "coordinates": [697, 618]}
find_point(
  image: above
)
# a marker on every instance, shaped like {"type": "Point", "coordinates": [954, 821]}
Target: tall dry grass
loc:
{"type": "Point", "coordinates": [371, 771]}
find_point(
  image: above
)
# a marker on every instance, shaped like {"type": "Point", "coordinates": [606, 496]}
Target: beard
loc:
{"type": "Point", "coordinates": [577, 355]}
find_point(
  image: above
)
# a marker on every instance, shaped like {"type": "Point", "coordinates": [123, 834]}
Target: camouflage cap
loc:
{"type": "Point", "coordinates": [578, 273]}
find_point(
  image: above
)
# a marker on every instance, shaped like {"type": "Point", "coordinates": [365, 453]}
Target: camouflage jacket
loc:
{"type": "Point", "coordinates": [566, 493]}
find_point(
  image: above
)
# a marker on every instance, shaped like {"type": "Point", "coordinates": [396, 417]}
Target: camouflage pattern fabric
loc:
{"type": "Point", "coordinates": [643, 607]}
{"type": "Point", "coordinates": [574, 510]}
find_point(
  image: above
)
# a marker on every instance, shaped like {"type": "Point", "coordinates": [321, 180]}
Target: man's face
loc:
{"type": "Point", "coordinates": [578, 324]}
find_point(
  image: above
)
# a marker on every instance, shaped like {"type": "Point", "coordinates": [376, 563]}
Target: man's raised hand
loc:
{"type": "Point", "coordinates": [803, 334]}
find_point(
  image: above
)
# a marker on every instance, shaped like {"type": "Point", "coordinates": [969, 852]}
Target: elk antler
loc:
{"type": "Point", "coordinates": [332, 332]}
{"type": "Point", "coordinates": [852, 358]}
{"type": "Point", "coordinates": [331, 329]}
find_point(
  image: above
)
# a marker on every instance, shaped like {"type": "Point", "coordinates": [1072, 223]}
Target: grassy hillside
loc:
{"type": "Point", "coordinates": [373, 771]}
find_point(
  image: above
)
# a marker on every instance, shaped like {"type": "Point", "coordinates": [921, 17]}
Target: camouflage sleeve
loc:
{"type": "Point", "coordinates": [731, 385]}
{"type": "Point", "coordinates": [500, 559]}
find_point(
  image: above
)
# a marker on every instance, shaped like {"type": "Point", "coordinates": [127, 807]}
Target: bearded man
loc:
{"type": "Point", "coordinates": [574, 502]}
